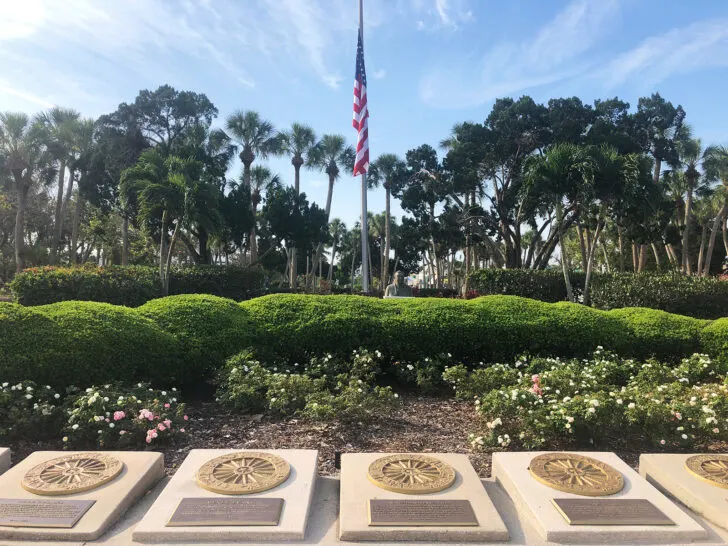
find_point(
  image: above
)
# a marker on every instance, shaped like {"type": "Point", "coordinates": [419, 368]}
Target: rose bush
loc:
{"type": "Point", "coordinates": [544, 403]}
{"type": "Point", "coordinates": [28, 411]}
{"type": "Point", "coordinates": [120, 417]}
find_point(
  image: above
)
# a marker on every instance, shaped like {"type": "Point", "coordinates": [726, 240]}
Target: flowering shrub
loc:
{"type": "Point", "coordinates": [28, 411]}
{"type": "Point", "coordinates": [119, 417]}
{"type": "Point", "coordinates": [545, 402]}
{"type": "Point", "coordinates": [426, 374]}
{"type": "Point", "coordinates": [324, 388]}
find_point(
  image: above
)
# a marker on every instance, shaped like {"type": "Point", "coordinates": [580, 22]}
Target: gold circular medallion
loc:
{"type": "Point", "coordinates": [243, 473]}
{"type": "Point", "coordinates": [72, 474]}
{"type": "Point", "coordinates": [710, 468]}
{"type": "Point", "coordinates": [576, 474]}
{"type": "Point", "coordinates": [411, 474]}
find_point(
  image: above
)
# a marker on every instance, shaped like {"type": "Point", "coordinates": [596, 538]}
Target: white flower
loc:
{"type": "Point", "coordinates": [98, 431]}
{"type": "Point", "coordinates": [65, 438]}
{"type": "Point", "coordinates": [29, 396]}
{"type": "Point", "coordinates": [75, 427]}
{"type": "Point", "coordinates": [29, 389]}
{"type": "Point", "coordinates": [619, 401]}
{"type": "Point", "coordinates": [111, 425]}
{"type": "Point", "coordinates": [630, 405]}
{"type": "Point", "coordinates": [591, 410]}
{"type": "Point", "coordinates": [684, 436]}
{"type": "Point", "coordinates": [410, 367]}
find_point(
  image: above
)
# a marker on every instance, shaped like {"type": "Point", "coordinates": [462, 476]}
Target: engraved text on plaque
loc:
{"type": "Point", "coordinates": [199, 512]}
{"type": "Point", "coordinates": [611, 512]}
{"type": "Point", "coordinates": [435, 513]}
{"type": "Point", "coordinates": [63, 514]}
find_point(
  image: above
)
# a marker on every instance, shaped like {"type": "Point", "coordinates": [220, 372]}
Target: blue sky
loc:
{"type": "Point", "coordinates": [431, 63]}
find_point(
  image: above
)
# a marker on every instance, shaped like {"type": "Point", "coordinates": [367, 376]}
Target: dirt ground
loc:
{"type": "Point", "coordinates": [420, 424]}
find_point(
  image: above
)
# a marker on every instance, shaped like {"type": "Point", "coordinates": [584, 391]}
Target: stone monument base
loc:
{"type": "Point", "coordinates": [141, 471]}
{"type": "Point", "coordinates": [533, 500]}
{"type": "Point", "coordinates": [357, 491]}
{"type": "Point", "coordinates": [668, 473]}
{"type": "Point", "coordinates": [295, 492]}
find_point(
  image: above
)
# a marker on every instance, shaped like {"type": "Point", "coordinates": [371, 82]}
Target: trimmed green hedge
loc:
{"type": "Point", "coordinates": [183, 339]}
{"type": "Point", "coordinates": [700, 297]}
{"type": "Point", "coordinates": [134, 285]}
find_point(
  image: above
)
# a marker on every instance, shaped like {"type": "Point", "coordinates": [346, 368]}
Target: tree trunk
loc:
{"type": "Point", "coordinates": [292, 271]}
{"type": "Point", "coordinates": [320, 247]}
{"type": "Point", "coordinates": [204, 252]}
{"type": "Point", "coordinates": [642, 258]}
{"type": "Point", "coordinates": [58, 225]}
{"type": "Point", "coordinates": [20, 226]}
{"type": "Point", "coordinates": [725, 236]}
{"type": "Point", "coordinates": [333, 255]}
{"type": "Point", "coordinates": [606, 257]}
{"type": "Point", "coordinates": [161, 248]}
{"type": "Point", "coordinates": [582, 245]}
{"type": "Point", "coordinates": [711, 243]}
{"type": "Point", "coordinates": [168, 261]}
{"type": "Point", "coordinates": [590, 259]}
{"type": "Point", "coordinates": [686, 234]}
{"type": "Point", "coordinates": [620, 239]}
{"type": "Point", "coordinates": [635, 258]}
{"type": "Point", "coordinates": [252, 235]}
{"type": "Point", "coordinates": [387, 236]}
{"type": "Point", "coordinates": [701, 254]}
{"type": "Point", "coordinates": [77, 209]}
{"type": "Point", "coordinates": [124, 240]}
{"type": "Point", "coordinates": [658, 263]}
{"type": "Point", "coordinates": [564, 260]}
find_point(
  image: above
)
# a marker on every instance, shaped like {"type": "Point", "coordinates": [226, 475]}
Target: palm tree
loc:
{"type": "Point", "coordinates": [59, 127]}
{"type": "Point", "coordinates": [24, 161]}
{"type": "Point", "coordinates": [258, 138]}
{"type": "Point", "coordinates": [715, 164]}
{"type": "Point", "coordinates": [84, 147]}
{"type": "Point", "coordinates": [337, 231]}
{"type": "Point", "coordinates": [331, 154]}
{"type": "Point", "coordinates": [297, 143]}
{"type": "Point", "coordinates": [383, 171]}
{"type": "Point", "coordinates": [261, 180]}
{"type": "Point", "coordinates": [165, 191]}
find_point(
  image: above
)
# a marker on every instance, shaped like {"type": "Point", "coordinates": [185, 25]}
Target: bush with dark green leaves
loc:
{"type": "Point", "coordinates": [133, 286]}
{"type": "Point", "coordinates": [184, 340]}
{"type": "Point", "coordinates": [700, 297]}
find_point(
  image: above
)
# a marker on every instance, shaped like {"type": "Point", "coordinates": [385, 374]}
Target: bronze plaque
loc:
{"type": "Point", "coordinates": [62, 514]}
{"type": "Point", "coordinates": [611, 512]}
{"type": "Point", "coordinates": [200, 512]}
{"type": "Point", "coordinates": [420, 513]}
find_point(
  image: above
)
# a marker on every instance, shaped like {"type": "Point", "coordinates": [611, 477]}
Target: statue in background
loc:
{"type": "Point", "coordinates": [398, 289]}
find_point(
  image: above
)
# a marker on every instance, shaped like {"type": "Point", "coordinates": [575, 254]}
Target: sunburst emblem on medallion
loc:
{"type": "Point", "coordinates": [576, 474]}
{"type": "Point", "coordinates": [243, 473]}
{"type": "Point", "coordinates": [411, 474]}
{"type": "Point", "coordinates": [72, 474]}
{"type": "Point", "coordinates": [710, 468]}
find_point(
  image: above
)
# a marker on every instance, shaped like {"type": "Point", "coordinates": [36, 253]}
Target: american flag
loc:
{"type": "Point", "coordinates": [361, 112]}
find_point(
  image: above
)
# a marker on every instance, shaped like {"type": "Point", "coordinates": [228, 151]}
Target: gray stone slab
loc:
{"type": "Point", "coordinates": [668, 473]}
{"type": "Point", "coordinates": [533, 502]}
{"type": "Point", "coordinates": [142, 470]}
{"type": "Point", "coordinates": [357, 490]}
{"type": "Point", "coordinates": [296, 492]}
{"type": "Point", "coordinates": [4, 459]}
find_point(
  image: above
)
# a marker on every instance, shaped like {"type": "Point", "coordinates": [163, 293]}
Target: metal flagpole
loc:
{"type": "Point", "coordinates": [364, 222]}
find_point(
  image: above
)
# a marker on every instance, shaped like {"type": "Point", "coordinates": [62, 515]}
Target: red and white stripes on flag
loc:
{"type": "Point", "coordinates": [361, 112]}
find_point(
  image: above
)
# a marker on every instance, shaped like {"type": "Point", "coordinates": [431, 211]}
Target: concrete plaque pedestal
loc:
{"type": "Point", "coordinates": [357, 490]}
{"type": "Point", "coordinates": [296, 492]}
{"type": "Point", "coordinates": [668, 473]}
{"type": "Point", "coordinates": [140, 473]}
{"type": "Point", "coordinates": [533, 502]}
{"type": "Point", "coordinates": [4, 459]}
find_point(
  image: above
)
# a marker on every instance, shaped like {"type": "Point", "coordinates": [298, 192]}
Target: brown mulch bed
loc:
{"type": "Point", "coordinates": [420, 424]}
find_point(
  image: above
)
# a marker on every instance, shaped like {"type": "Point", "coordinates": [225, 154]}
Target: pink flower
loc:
{"type": "Point", "coordinates": [716, 430]}
{"type": "Point", "coordinates": [161, 427]}
{"type": "Point", "coordinates": [186, 418]}
{"type": "Point", "coordinates": [107, 419]}
{"type": "Point", "coordinates": [166, 405]}
{"type": "Point", "coordinates": [122, 432]}
{"type": "Point", "coordinates": [181, 430]}
{"type": "Point", "coordinates": [536, 389]}
{"type": "Point", "coordinates": [678, 415]}
{"type": "Point", "coordinates": [119, 415]}
{"type": "Point", "coordinates": [662, 442]}
{"type": "Point", "coordinates": [167, 423]}
{"type": "Point", "coordinates": [149, 439]}
{"type": "Point", "coordinates": [146, 414]}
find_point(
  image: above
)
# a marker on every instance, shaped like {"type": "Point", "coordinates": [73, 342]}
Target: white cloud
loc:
{"type": "Point", "coordinates": [27, 97]}
{"type": "Point", "coordinates": [440, 14]}
{"type": "Point", "coordinates": [554, 53]}
{"type": "Point", "coordinates": [703, 44]}
{"type": "Point", "coordinates": [379, 74]}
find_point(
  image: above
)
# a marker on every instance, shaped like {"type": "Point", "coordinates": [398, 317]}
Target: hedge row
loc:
{"type": "Point", "coordinates": [132, 286]}
{"type": "Point", "coordinates": [183, 339]}
{"type": "Point", "coordinates": [698, 297]}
